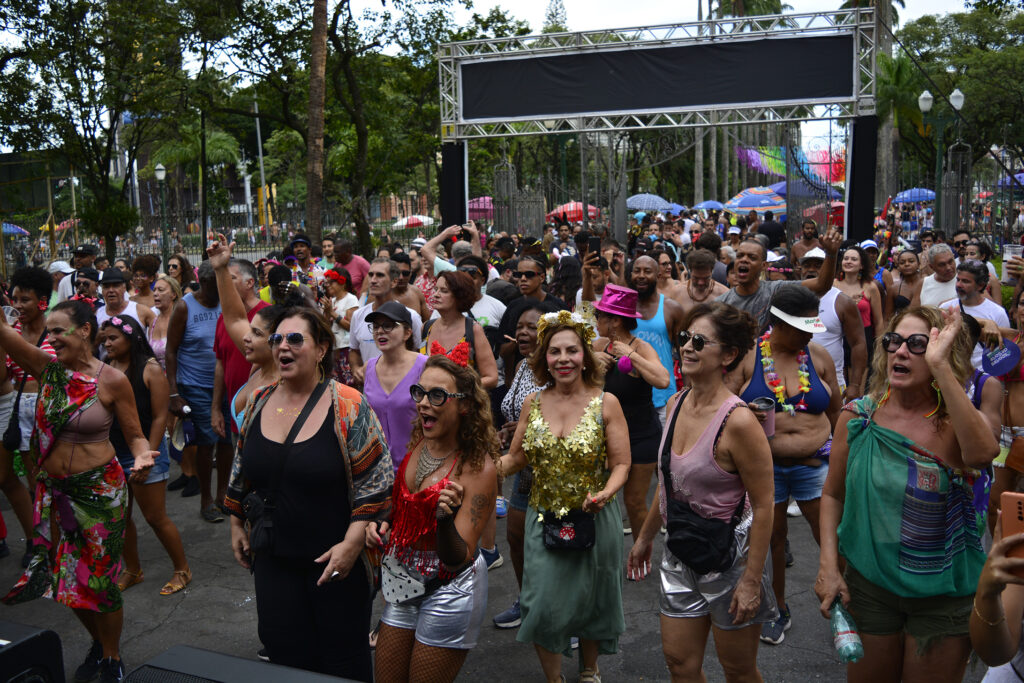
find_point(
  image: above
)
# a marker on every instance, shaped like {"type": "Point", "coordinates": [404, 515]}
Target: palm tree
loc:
{"type": "Point", "coordinates": [315, 156]}
{"type": "Point", "coordinates": [183, 152]}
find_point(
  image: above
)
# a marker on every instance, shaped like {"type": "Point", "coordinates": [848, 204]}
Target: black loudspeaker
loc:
{"type": "Point", "coordinates": [30, 655]}
{"type": "Point", "coordinates": [453, 184]}
{"type": "Point", "coordinates": [860, 189]}
{"type": "Point", "coordinates": [183, 664]}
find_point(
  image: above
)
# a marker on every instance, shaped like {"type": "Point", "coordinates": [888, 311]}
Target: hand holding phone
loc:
{"type": "Point", "coordinates": [1011, 504]}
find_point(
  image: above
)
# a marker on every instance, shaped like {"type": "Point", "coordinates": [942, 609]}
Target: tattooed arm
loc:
{"type": "Point", "coordinates": [463, 509]}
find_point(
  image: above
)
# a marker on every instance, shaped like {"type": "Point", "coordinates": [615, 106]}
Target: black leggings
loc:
{"type": "Point", "coordinates": [319, 628]}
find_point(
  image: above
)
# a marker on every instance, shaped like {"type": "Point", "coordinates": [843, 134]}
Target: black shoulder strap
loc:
{"type": "Point", "coordinates": [426, 329]}
{"type": "Point", "coordinates": [306, 410]}
{"type": "Point", "coordinates": [24, 377]}
{"type": "Point", "coordinates": [470, 339]}
{"type": "Point", "coordinates": [667, 447]}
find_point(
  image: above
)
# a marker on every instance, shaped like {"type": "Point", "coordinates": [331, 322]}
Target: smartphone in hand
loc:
{"type": "Point", "coordinates": [1011, 504]}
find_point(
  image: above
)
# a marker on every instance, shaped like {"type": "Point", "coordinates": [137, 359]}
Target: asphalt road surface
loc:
{"type": "Point", "coordinates": [218, 612]}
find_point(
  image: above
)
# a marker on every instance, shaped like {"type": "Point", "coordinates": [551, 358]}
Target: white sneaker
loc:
{"type": "Point", "coordinates": [793, 510]}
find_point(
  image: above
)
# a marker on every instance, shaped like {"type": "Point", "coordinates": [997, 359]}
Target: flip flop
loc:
{"type": "Point", "coordinates": [179, 580]}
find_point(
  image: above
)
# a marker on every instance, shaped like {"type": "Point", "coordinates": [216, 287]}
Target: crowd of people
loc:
{"type": "Point", "coordinates": [365, 418]}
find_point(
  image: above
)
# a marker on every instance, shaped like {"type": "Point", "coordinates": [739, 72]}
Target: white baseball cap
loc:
{"type": "Point", "coordinates": [817, 252]}
{"type": "Point", "coordinates": [811, 323]}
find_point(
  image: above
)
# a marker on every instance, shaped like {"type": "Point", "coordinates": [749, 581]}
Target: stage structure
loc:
{"type": "Point", "coordinates": [722, 72]}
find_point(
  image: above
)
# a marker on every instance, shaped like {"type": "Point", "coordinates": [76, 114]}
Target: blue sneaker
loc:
{"type": "Point", "coordinates": [501, 507]}
{"type": "Point", "coordinates": [493, 558]}
{"type": "Point", "coordinates": [774, 632]}
{"type": "Point", "coordinates": [510, 618]}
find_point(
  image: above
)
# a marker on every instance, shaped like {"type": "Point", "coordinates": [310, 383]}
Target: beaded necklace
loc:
{"type": "Point", "coordinates": [775, 383]}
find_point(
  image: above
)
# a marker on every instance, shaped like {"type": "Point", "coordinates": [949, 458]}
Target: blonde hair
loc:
{"type": "Point", "coordinates": [173, 284]}
{"type": "Point", "coordinates": [959, 358]}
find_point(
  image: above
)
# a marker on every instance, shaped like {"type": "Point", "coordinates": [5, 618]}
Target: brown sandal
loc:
{"type": "Point", "coordinates": [179, 580]}
{"type": "Point", "coordinates": [129, 579]}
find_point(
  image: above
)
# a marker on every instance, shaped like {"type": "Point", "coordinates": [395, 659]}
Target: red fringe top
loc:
{"type": "Point", "coordinates": [413, 537]}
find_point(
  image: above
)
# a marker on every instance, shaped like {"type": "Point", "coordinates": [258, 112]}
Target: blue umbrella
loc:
{"type": "Point", "coordinates": [1007, 182]}
{"type": "Point", "coordinates": [676, 208]}
{"type": "Point", "coordinates": [647, 202]}
{"type": "Point", "coordinates": [12, 229]}
{"type": "Point", "coordinates": [801, 188]}
{"type": "Point", "coordinates": [708, 204]}
{"type": "Point", "coordinates": [914, 194]}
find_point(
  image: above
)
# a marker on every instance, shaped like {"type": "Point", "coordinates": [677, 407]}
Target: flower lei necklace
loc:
{"type": "Point", "coordinates": [775, 383]}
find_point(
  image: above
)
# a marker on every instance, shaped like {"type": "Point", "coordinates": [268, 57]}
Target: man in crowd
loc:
{"type": "Point", "coordinates": [59, 271]}
{"type": "Point", "coordinates": [327, 249]}
{"type": "Point", "coordinates": [941, 284]}
{"type": "Point", "coordinates": [660, 322]}
{"type": "Point", "coordinates": [808, 240]}
{"type": "Point", "coordinates": [775, 233]}
{"type": "Point", "coordinates": [754, 296]}
{"type": "Point", "coordinates": [842, 321]}
{"type": "Point", "coordinates": [380, 288]}
{"type": "Point", "coordinates": [191, 363]}
{"type": "Point", "coordinates": [307, 272]}
{"type": "Point", "coordinates": [86, 287]}
{"type": "Point", "coordinates": [407, 294]}
{"type": "Point", "coordinates": [970, 284]}
{"type": "Point", "coordinates": [83, 257]}
{"type": "Point", "coordinates": [355, 264]}
{"type": "Point", "coordinates": [701, 286]}
{"type": "Point", "coordinates": [961, 238]}
{"type": "Point", "coordinates": [710, 240]}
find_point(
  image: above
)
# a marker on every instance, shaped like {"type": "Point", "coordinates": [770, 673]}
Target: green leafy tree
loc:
{"type": "Point", "coordinates": [555, 18]}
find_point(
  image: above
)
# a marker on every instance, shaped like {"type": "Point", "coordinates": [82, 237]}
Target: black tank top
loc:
{"type": "Point", "coordinates": [308, 487]}
{"type": "Point", "coordinates": [634, 393]}
{"type": "Point", "coordinates": [144, 406]}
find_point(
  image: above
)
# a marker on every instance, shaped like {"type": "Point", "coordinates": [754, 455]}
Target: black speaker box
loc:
{"type": "Point", "coordinates": [30, 655]}
{"type": "Point", "coordinates": [184, 664]}
{"type": "Point", "coordinates": [453, 184]}
{"type": "Point", "coordinates": [860, 194]}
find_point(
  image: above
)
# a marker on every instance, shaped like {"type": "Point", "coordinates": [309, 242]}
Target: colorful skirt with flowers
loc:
{"type": "Point", "coordinates": [89, 510]}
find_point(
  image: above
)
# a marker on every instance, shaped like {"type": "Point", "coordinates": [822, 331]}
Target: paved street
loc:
{"type": "Point", "coordinates": [218, 612]}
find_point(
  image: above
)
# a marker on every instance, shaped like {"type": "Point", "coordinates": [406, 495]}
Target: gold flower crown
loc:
{"type": "Point", "coordinates": [573, 320]}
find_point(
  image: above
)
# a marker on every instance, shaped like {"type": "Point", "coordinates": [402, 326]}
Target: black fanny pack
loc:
{"type": "Point", "coordinates": [704, 545]}
{"type": "Point", "coordinates": [573, 531]}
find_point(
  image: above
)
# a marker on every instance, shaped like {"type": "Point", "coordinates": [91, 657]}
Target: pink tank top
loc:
{"type": "Point", "coordinates": [697, 479]}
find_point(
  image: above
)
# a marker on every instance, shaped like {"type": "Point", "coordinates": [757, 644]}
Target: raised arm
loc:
{"type": "Point", "coordinates": [236, 320]}
{"type": "Point", "coordinates": [428, 252]}
{"type": "Point", "coordinates": [29, 357]}
{"type": "Point", "coordinates": [830, 243]}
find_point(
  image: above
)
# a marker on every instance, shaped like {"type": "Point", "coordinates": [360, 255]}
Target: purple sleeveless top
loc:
{"type": "Point", "coordinates": [697, 479]}
{"type": "Point", "coordinates": [396, 411]}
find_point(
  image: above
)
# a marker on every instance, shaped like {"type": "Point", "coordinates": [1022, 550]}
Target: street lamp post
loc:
{"type": "Point", "coordinates": [161, 175]}
{"type": "Point", "coordinates": [924, 102]}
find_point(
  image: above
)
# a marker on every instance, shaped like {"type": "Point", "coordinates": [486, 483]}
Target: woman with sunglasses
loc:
{"type": "Point", "coordinates": [632, 369]}
{"type": "Point", "coordinates": [338, 307]}
{"type": "Point", "coordinates": [181, 270]}
{"type": "Point", "coordinates": [576, 438]}
{"type": "Point", "coordinates": [799, 377]}
{"type": "Point", "coordinates": [311, 469]}
{"type": "Point", "coordinates": [453, 334]}
{"type": "Point", "coordinates": [717, 456]}
{"type": "Point", "coordinates": [389, 376]}
{"type": "Point", "coordinates": [904, 504]}
{"type": "Point", "coordinates": [444, 493]}
{"type": "Point", "coordinates": [129, 352]}
{"type": "Point", "coordinates": [81, 493]}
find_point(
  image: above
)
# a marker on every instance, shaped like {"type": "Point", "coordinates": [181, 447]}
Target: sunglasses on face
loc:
{"type": "Point", "coordinates": [525, 273]}
{"type": "Point", "coordinates": [294, 339]}
{"type": "Point", "coordinates": [387, 325]}
{"type": "Point", "coordinates": [699, 340]}
{"type": "Point", "coordinates": [404, 273]}
{"type": "Point", "coordinates": [960, 243]}
{"type": "Point", "coordinates": [436, 396]}
{"type": "Point", "coordinates": [173, 266]}
{"type": "Point", "coordinates": [470, 270]}
{"type": "Point", "coordinates": [916, 343]}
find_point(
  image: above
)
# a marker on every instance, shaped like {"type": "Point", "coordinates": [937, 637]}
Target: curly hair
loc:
{"type": "Point", "coordinates": [33, 279]}
{"type": "Point", "coordinates": [476, 438]}
{"type": "Point", "coordinates": [959, 358]}
{"type": "Point", "coordinates": [734, 328]}
{"type": "Point", "coordinates": [462, 287]}
{"type": "Point", "coordinates": [593, 374]}
{"type": "Point", "coordinates": [186, 273]}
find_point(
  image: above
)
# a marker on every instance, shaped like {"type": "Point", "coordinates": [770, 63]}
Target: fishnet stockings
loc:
{"type": "Point", "coordinates": [401, 659]}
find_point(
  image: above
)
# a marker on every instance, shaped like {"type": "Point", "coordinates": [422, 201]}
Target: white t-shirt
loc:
{"type": "Point", "coordinates": [987, 309]}
{"type": "Point", "coordinates": [487, 311]}
{"type": "Point", "coordinates": [361, 339]}
{"type": "Point", "coordinates": [340, 308]}
{"type": "Point", "coordinates": [934, 292]}
{"type": "Point", "coordinates": [991, 268]}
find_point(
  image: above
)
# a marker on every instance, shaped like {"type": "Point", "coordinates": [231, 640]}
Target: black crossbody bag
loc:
{"type": "Point", "coordinates": [259, 506]}
{"type": "Point", "coordinates": [704, 545]}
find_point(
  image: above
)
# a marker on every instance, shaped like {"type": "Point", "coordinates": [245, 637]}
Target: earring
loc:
{"type": "Point", "coordinates": [938, 397]}
{"type": "Point", "coordinates": [320, 374]}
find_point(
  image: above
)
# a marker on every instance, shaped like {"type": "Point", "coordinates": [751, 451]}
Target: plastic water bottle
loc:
{"type": "Point", "coordinates": [844, 634]}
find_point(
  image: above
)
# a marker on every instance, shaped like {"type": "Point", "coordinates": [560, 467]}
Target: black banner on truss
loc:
{"type": "Point", "coordinates": [813, 69]}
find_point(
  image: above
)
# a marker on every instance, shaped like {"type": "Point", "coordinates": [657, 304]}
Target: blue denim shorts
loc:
{"type": "Point", "coordinates": [160, 471]}
{"type": "Point", "coordinates": [199, 399]}
{"type": "Point", "coordinates": [518, 501]}
{"type": "Point", "coordinates": [800, 481]}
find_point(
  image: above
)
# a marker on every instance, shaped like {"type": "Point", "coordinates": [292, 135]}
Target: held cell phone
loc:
{"type": "Point", "coordinates": [594, 245]}
{"type": "Point", "coordinates": [1012, 506]}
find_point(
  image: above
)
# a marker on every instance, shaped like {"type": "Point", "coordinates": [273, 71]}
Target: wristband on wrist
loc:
{"type": "Point", "coordinates": [174, 396]}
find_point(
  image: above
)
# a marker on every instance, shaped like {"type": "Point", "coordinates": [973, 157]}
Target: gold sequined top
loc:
{"type": "Point", "coordinates": [566, 468]}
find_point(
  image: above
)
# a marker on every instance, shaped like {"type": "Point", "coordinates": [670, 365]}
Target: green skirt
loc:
{"type": "Point", "coordinates": [573, 593]}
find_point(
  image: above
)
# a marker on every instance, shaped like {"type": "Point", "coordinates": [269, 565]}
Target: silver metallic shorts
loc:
{"type": "Point", "coordinates": [449, 617]}
{"type": "Point", "coordinates": [684, 593]}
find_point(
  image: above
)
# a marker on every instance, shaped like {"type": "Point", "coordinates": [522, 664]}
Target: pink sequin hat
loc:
{"type": "Point", "coordinates": [618, 300]}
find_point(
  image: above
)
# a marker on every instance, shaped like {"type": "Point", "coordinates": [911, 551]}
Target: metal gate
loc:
{"type": "Point", "coordinates": [516, 210]}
